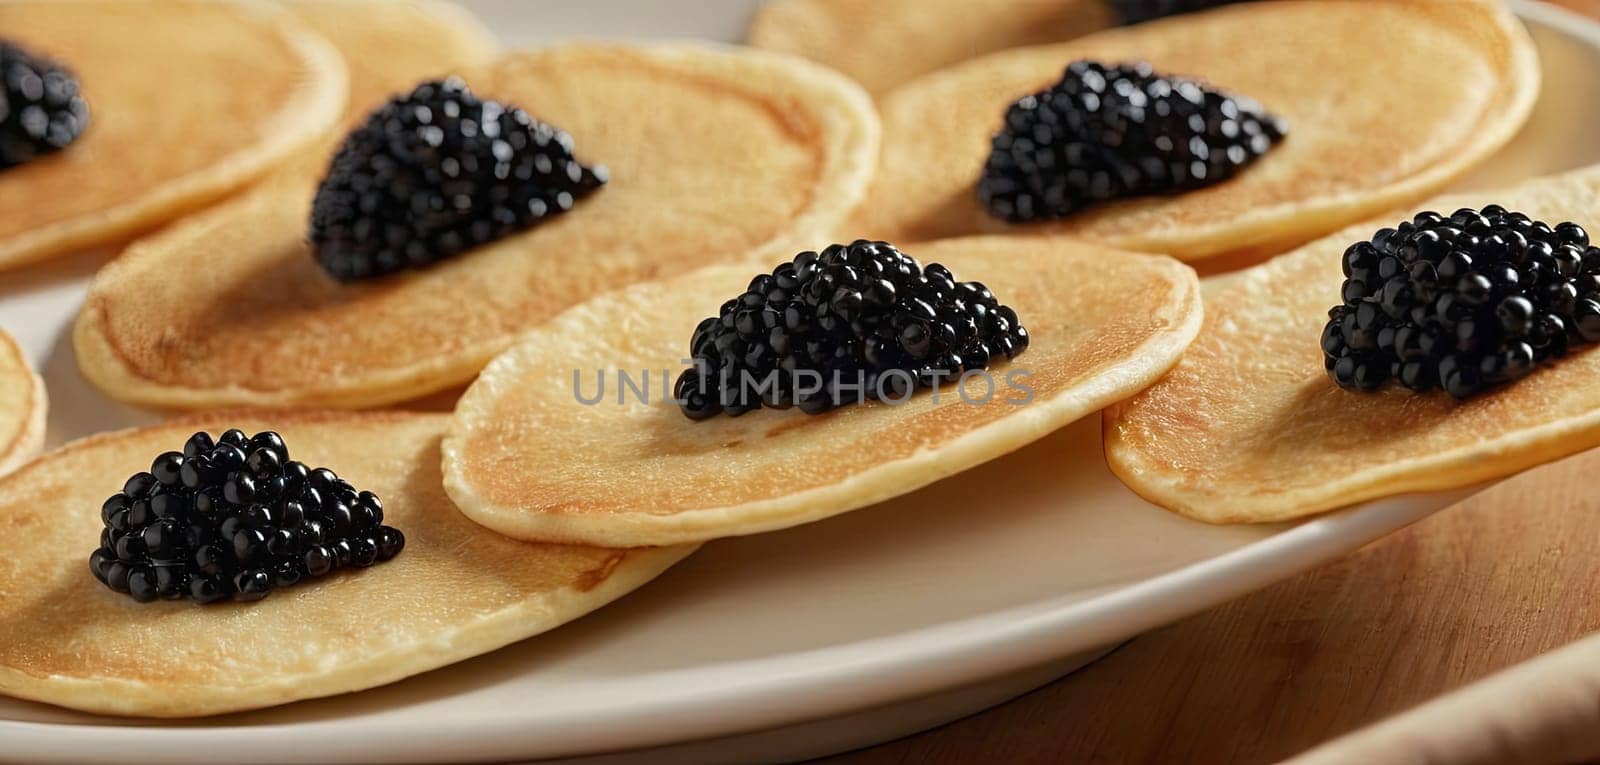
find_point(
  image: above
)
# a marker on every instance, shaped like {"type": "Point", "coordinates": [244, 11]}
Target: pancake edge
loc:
{"type": "Point", "coordinates": [119, 697]}
{"type": "Point", "coordinates": [852, 137]}
{"type": "Point", "coordinates": [1142, 367]}
{"type": "Point", "coordinates": [29, 439]}
{"type": "Point", "coordinates": [1497, 458]}
{"type": "Point", "coordinates": [308, 116]}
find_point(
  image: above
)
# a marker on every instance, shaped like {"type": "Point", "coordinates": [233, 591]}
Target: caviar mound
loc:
{"type": "Point", "coordinates": [235, 518]}
{"type": "Point", "coordinates": [458, 590]}
{"type": "Point", "coordinates": [436, 172]}
{"type": "Point", "coordinates": [633, 470]}
{"type": "Point", "coordinates": [1471, 80]}
{"type": "Point", "coordinates": [854, 322]}
{"type": "Point", "coordinates": [1465, 302]}
{"type": "Point", "coordinates": [1139, 11]}
{"type": "Point", "coordinates": [1248, 427]}
{"type": "Point", "coordinates": [1108, 132]}
{"type": "Point", "coordinates": [41, 107]}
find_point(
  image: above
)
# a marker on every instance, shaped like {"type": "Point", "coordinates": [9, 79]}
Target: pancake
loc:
{"type": "Point", "coordinates": [1249, 428]}
{"type": "Point", "coordinates": [526, 458]}
{"type": "Point", "coordinates": [1436, 87]}
{"type": "Point", "coordinates": [389, 46]}
{"type": "Point", "coordinates": [22, 407]}
{"type": "Point", "coordinates": [170, 127]}
{"type": "Point", "coordinates": [744, 155]}
{"type": "Point", "coordinates": [456, 591]}
{"type": "Point", "coordinates": [884, 43]}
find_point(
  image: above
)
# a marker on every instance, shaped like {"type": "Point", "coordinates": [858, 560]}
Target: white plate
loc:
{"type": "Point", "coordinates": [858, 629]}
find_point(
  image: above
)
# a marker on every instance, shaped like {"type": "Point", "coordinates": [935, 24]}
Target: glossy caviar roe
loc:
{"type": "Point", "coordinates": [435, 173]}
{"type": "Point", "coordinates": [1109, 132]}
{"type": "Point", "coordinates": [235, 518]}
{"type": "Point", "coordinates": [1465, 302]}
{"type": "Point", "coordinates": [42, 109]}
{"type": "Point", "coordinates": [854, 322]}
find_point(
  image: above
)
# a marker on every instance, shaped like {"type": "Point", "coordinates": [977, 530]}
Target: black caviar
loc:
{"type": "Point", "coordinates": [436, 172]}
{"type": "Point", "coordinates": [41, 106]}
{"type": "Point", "coordinates": [235, 518]}
{"type": "Point", "coordinates": [851, 323]}
{"type": "Point", "coordinates": [1463, 303]}
{"type": "Point", "coordinates": [1109, 132]}
{"type": "Point", "coordinates": [1137, 11]}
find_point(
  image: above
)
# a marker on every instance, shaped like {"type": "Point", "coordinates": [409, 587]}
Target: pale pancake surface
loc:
{"type": "Point", "coordinates": [526, 458]}
{"type": "Point", "coordinates": [1386, 101]}
{"type": "Point", "coordinates": [22, 407]}
{"type": "Point", "coordinates": [1249, 427]}
{"type": "Point", "coordinates": [456, 591]}
{"type": "Point", "coordinates": [188, 101]}
{"type": "Point", "coordinates": [884, 43]}
{"type": "Point", "coordinates": [716, 155]}
{"type": "Point", "coordinates": [388, 46]}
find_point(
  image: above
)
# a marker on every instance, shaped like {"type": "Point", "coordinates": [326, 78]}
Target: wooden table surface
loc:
{"type": "Point", "coordinates": [1502, 577]}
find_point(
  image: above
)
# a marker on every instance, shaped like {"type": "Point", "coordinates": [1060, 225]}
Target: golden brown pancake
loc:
{"type": "Point", "coordinates": [884, 43]}
{"type": "Point", "coordinates": [1249, 428]}
{"type": "Point", "coordinates": [188, 101]}
{"type": "Point", "coordinates": [22, 407]}
{"type": "Point", "coordinates": [456, 591]}
{"type": "Point", "coordinates": [391, 45]}
{"type": "Point", "coordinates": [1386, 102]}
{"type": "Point", "coordinates": [716, 156]}
{"type": "Point", "coordinates": [526, 458]}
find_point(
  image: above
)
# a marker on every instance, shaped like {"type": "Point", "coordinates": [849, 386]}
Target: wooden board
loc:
{"type": "Point", "coordinates": [1504, 576]}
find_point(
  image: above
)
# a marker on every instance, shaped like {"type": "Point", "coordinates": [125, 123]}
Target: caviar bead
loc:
{"type": "Point", "coordinates": [163, 540]}
{"type": "Point", "coordinates": [311, 533]}
{"type": "Point", "coordinates": [206, 590]}
{"type": "Point", "coordinates": [1465, 302]}
{"type": "Point", "coordinates": [210, 560]}
{"type": "Point", "coordinates": [165, 468]}
{"type": "Point", "coordinates": [363, 551]}
{"type": "Point", "coordinates": [254, 584]}
{"type": "Point", "coordinates": [193, 473]}
{"type": "Point", "coordinates": [130, 548]}
{"type": "Point", "coordinates": [139, 485]}
{"type": "Point", "coordinates": [234, 517]}
{"type": "Point", "coordinates": [319, 560]}
{"type": "Point", "coordinates": [171, 582]}
{"type": "Point", "coordinates": [272, 442]}
{"type": "Point", "coordinates": [263, 464]}
{"type": "Point", "coordinates": [142, 584]}
{"type": "Point", "coordinates": [1108, 132]}
{"type": "Point", "coordinates": [249, 546]}
{"type": "Point", "coordinates": [99, 560]}
{"type": "Point", "coordinates": [286, 573]}
{"type": "Point", "coordinates": [390, 542]}
{"type": "Point", "coordinates": [198, 444]}
{"type": "Point", "coordinates": [341, 552]}
{"type": "Point", "coordinates": [114, 504]}
{"type": "Point", "coordinates": [168, 506]}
